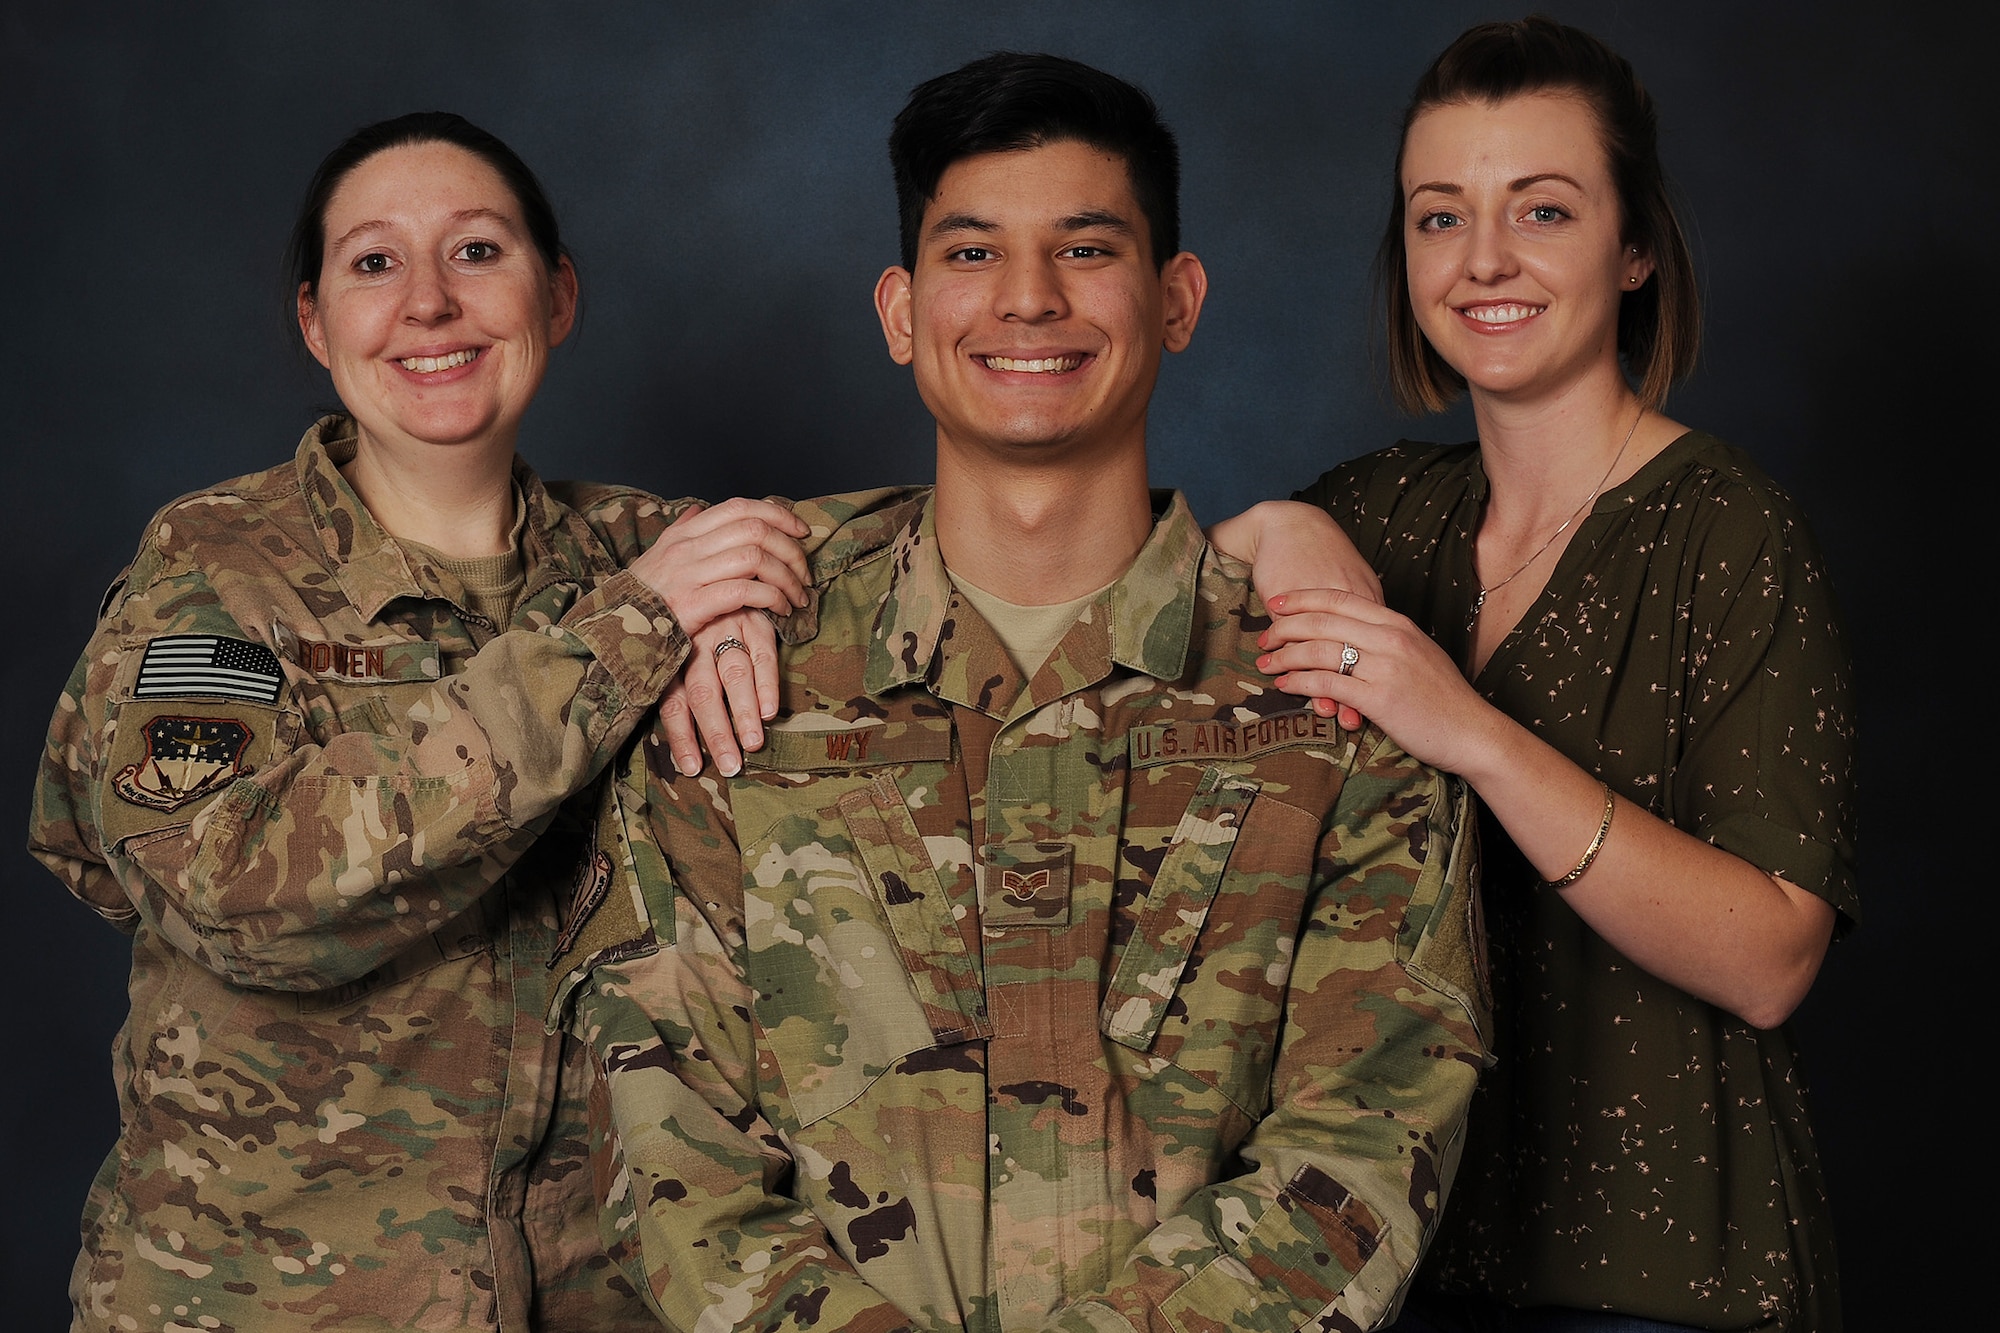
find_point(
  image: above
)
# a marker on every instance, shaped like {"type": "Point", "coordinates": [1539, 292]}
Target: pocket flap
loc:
{"type": "Point", "coordinates": [942, 967]}
{"type": "Point", "coordinates": [1149, 969]}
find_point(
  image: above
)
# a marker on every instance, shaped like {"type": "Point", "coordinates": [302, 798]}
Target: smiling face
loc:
{"type": "Point", "coordinates": [1035, 317]}
{"type": "Point", "coordinates": [1516, 256]}
{"type": "Point", "coordinates": [434, 311]}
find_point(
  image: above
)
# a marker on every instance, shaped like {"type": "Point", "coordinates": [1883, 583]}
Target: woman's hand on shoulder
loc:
{"type": "Point", "coordinates": [719, 569]}
{"type": "Point", "coordinates": [724, 695]}
{"type": "Point", "coordinates": [1341, 649]}
{"type": "Point", "coordinates": [1292, 547]}
{"type": "Point", "coordinates": [713, 561]}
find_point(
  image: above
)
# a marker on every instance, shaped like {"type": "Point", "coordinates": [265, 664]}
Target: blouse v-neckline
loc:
{"type": "Point", "coordinates": [1576, 551]}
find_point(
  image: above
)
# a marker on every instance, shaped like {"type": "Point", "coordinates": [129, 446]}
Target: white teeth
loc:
{"type": "Point", "coordinates": [1502, 314]}
{"type": "Point", "coordinates": [1042, 366]}
{"type": "Point", "coordinates": [425, 365]}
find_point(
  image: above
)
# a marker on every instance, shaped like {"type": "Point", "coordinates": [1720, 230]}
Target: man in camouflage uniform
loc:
{"type": "Point", "coordinates": [340, 1106]}
{"type": "Point", "coordinates": [1042, 970]}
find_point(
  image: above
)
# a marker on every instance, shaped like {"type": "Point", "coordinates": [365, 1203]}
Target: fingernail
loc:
{"type": "Point", "coordinates": [688, 767]}
{"type": "Point", "coordinates": [730, 767]}
{"type": "Point", "coordinates": [1275, 602]}
{"type": "Point", "coordinates": [754, 739]}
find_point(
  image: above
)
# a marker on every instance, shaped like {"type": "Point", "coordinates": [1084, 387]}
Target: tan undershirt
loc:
{"type": "Point", "coordinates": [492, 583]}
{"type": "Point", "coordinates": [1028, 633]}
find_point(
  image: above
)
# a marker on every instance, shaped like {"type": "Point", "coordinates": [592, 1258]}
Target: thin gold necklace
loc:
{"type": "Point", "coordinates": [1478, 602]}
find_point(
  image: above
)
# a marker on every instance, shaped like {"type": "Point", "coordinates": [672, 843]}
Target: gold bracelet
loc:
{"type": "Point", "coordinates": [1596, 843]}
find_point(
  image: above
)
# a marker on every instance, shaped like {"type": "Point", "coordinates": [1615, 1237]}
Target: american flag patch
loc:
{"type": "Point", "coordinates": [183, 666]}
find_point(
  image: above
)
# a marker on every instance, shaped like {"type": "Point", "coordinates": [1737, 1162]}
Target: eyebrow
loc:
{"type": "Point", "coordinates": [376, 224]}
{"type": "Point", "coordinates": [952, 222]}
{"type": "Point", "coordinates": [1089, 219]}
{"type": "Point", "coordinates": [1522, 183]}
{"type": "Point", "coordinates": [1093, 219]}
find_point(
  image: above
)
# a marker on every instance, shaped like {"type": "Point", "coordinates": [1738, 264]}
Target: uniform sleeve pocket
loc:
{"type": "Point", "coordinates": [1150, 968]}
{"type": "Point", "coordinates": [170, 758]}
{"type": "Point", "coordinates": [1310, 1244]}
{"type": "Point", "coordinates": [851, 943]}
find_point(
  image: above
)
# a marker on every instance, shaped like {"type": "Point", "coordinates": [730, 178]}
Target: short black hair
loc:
{"type": "Point", "coordinates": [1011, 100]}
{"type": "Point", "coordinates": [307, 250]}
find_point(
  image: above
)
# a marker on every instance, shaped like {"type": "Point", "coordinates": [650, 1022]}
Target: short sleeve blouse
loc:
{"type": "Point", "coordinates": [1639, 1149]}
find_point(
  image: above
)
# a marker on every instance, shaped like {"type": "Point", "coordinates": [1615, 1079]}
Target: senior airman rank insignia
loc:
{"type": "Point", "coordinates": [1027, 884]}
{"type": "Point", "coordinates": [186, 758]}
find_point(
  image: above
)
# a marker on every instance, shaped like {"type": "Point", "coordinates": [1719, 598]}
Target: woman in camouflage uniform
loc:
{"type": "Point", "coordinates": [314, 761]}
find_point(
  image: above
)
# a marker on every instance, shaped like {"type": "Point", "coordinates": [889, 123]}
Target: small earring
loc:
{"type": "Point", "coordinates": [1633, 281]}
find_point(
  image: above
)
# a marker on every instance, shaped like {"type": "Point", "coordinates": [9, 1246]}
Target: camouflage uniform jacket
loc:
{"type": "Point", "coordinates": [1133, 996]}
{"type": "Point", "coordinates": [310, 786]}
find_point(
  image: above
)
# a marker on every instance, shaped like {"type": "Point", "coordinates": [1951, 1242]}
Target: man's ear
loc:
{"type": "Point", "coordinates": [1184, 285]}
{"type": "Point", "coordinates": [309, 325]}
{"type": "Point", "coordinates": [892, 307]}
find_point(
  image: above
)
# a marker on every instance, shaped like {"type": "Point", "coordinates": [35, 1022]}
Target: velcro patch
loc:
{"type": "Point", "coordinates": [822, 744]}
{"type": "Point", "coordinates": [388, 662]}
{"type": "Point", "coordinates": [1026, 884]}
{"type": "Point", "coordinates": [1176, 742]}
{"type": "Point", "coordinates": [169, 759]}
{"type": "Point", "coordinates": [186, 758]}
{"type": "Point", "coordinates": [194, 666]}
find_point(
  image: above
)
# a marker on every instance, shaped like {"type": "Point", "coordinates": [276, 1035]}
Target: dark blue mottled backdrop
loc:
{"type": "Point", "coordinates": [721, 174]}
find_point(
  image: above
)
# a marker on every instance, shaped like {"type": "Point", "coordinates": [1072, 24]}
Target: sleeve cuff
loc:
{"type": "Point", "coordinates": [628, 629]}
{"type": "Point", "coordinates": [1775, 850]}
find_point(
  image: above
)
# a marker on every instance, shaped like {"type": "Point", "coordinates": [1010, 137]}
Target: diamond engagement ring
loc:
{"type": "Point", "coordinates": [731, 642]}
{"type": "Point", "coordinates": [1349, 655]}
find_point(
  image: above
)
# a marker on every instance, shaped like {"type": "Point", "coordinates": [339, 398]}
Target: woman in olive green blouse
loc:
{"type": "Point", "coordinates": [1618, 631]}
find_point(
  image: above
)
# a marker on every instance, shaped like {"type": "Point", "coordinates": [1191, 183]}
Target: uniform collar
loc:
{"type": "Point", "coordinates": [1142, 622]}
{"type": "Point", "coordinates": [372, 567]}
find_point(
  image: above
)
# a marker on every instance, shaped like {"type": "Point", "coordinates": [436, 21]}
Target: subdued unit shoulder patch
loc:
{"type": "Point", "coordinates": [185, 759]}
{"type": "Point", "coordinates": [168, 758]}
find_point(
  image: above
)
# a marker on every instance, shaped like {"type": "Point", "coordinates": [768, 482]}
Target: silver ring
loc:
{"type": "Point", "coordinates": [1349, 657]}
{"type": "Point", "coordinates": [731, 642]}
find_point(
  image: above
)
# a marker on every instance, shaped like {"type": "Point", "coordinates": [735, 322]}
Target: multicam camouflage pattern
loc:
{"type": "Point", "coordinates": [340, 1105]}
{"type": "Point", "coordinates": [1128, 997]}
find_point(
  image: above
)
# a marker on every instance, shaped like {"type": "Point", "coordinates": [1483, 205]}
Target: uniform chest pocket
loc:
{"type": "Point", "coordinates": [856, 954]}
{"type": "Point", "coordinates": [1201, 980]}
